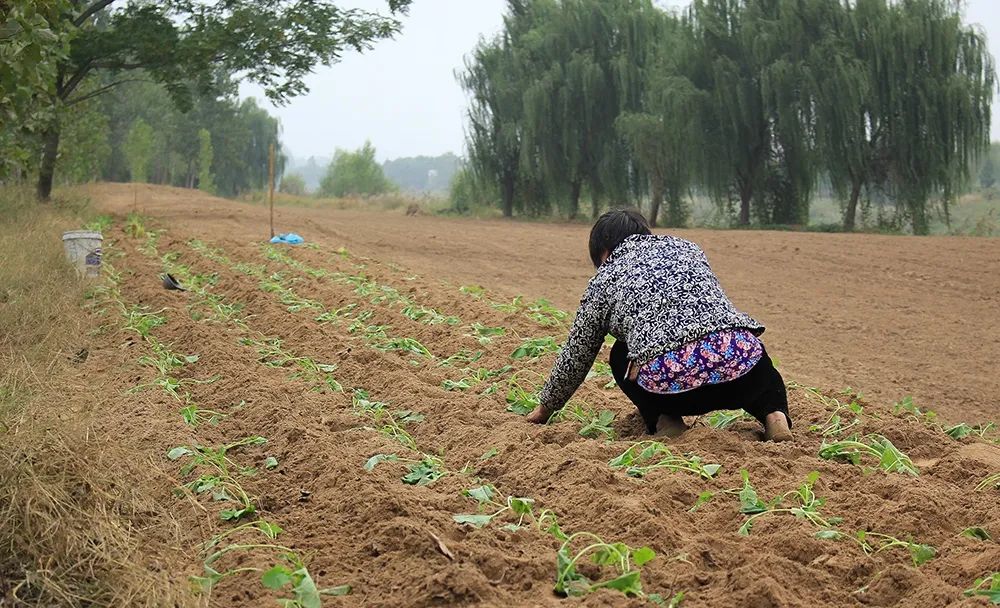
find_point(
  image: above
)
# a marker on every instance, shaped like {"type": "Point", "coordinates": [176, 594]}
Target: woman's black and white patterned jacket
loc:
{"type": "Point", "coordinates": [654, 292]}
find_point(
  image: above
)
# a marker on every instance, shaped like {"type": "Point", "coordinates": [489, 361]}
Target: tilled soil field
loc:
{"type": "Point", "coordinates": [354, 420]}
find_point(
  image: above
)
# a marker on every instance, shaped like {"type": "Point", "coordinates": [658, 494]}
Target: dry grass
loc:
{"type": "Point", "coordinates": [68, 504]}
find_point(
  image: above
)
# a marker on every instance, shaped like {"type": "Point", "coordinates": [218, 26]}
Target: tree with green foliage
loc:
{"type": "Point", "coordinates": [662, 137]}
{"type": "Point", "coordinates": [138, 150]}
{"type": "Point", "coordinates": [184, 45]}
{"type": "Point", "coordinates": [355, 173]}
{"type": "Point", "coordinates": [30, 48]}
{"type": "Point", "coordinates": [85, 147]}
{"type": "Point", "coordinates": [206, 181]}
{"type": "Point", "coordinates": [988, 169]}
{"type": "Point", "coordinates": [936, 102]}
{"type": "Point", "coordinates": [293, 183]}
{"type": "Point", "coordinates": [467, 191]}
{"type": "Point", "coordinates": [492, 80]}
{"type": "Point", "coordinates": [737, 135]}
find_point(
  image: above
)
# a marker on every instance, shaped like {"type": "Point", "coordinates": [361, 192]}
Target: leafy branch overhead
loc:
{"type": "Point", "coordinates": [189, 47]}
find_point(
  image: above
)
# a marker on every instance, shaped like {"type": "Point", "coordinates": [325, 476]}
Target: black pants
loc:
{"type": "Point", "coordinates": [759, 392]}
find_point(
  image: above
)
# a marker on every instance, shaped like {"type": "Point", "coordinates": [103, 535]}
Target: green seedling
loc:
{"type": "Point", "coordinates": [542, 311]}
{"type": "Point", "coordinates": [427, 315]}
{"type": "Point", "coordinates": [485, 334]}
{"type": "Point", "coordinates": [852, 449]}
{"type": "Point", "coordinates": [475, 378]}
{"type": "Point", "coordinates": [295, 575]}
{"type": "Point", "coordinates": [388, 423]}
{"type": "Point", "coordinates": [805, 504]}
{"type": "Point", "coordinates": [221, 481]}
{"type": "Point", "coordinates": [977, 533]}
{"type": "Point", "coordinates": [594, 424]}
{"type": "Point", "coordinates": [843, 416]}
{"type": "Point", "coordinates": [135, 226]}
{"type": "Point", "coordinates": [987, 586]}
{"type": "Point", "coordinates": [725, 418]}
{"type": "Point", "coordinates": [421, 472]}
{"type": "Point", "coordinates": [408, 345]}
{"type": "Point", "coordinates": [618, 556]}
{"type": "Point", "coordinates": [512, 307]}
{"type": "Point", "coordinates": [472, 290]}
{"type": "Point", "coordinates": [520, 401]}
{"type": "Point", "coordinates": [172, 386]}
{"type": "Point", "coordinates": [991, 481]}
{"type": "Point", "coordinates": [485, 495]}
{"type": "Point", "coordinates": [101, 223]}
{"type": "Point", "coordinates": [907, 408]}
{"type": "Point", "coordinates": [602, 371]}
{"type": "Point", "coordinates": [194, 415]}
{"type": "Point", "coordinates": [289, 573]}
{"type": "Point", "coordinates": [141, 321]}
{"type": "Point", "coordinates": [962, 430]}
{"type": "Point", "coordinates": [463, 356]}
{"type": "Point", "coordinates": [164, 360]}
{"type": "Point", "coordinates": [873, 542]}
{"type": "Point", "coordinates": [569, 580]}
{"type": "Point", "coordinates": [645, 456]}
{"type": "Point", "coordinates": [532, 348]}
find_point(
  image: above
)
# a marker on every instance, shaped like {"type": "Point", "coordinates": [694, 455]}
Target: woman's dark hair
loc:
{"type": "Point", "coordinates": [612, 228]}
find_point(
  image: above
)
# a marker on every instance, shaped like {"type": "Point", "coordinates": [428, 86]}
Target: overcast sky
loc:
{"type": "Point", "coordinates": [403, 95]}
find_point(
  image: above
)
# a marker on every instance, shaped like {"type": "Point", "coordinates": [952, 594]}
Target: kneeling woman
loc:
{"type": "Point", "coordinates": [681, 349]}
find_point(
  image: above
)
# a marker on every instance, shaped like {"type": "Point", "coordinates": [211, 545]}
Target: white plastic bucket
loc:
{"type": "Point", "coordinates": [83, 250]}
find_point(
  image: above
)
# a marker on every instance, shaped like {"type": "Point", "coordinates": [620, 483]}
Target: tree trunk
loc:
{"type": "Point", "coordinates": [746, 193]}
{"type": "Point", "coordinates": [852, 206]}
{"type": "Point", "coordinates": [656, 199]}
{"type": "Point", "coordinates": [47, 170]}
{"type": "Point", "coordinates": [507, 197]}
{"type": "Point", "coordinates": [574, 199]}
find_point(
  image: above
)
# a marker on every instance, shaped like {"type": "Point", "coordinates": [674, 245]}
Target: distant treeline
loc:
{"type": "Point", "coordinates": [414, 174]}
{"type": "Point", "coordinates": [750, 102]}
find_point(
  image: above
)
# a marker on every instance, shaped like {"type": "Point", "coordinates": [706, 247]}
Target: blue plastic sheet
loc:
{"type": "Point", "coordinates": [289, 238]}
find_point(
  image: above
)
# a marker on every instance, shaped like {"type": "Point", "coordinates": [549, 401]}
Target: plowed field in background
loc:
{"type": "Point", "coordinates": [888, 316]}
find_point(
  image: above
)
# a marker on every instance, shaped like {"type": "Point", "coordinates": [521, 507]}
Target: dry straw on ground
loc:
{"type": "Point", "coordinates": [67, 520]}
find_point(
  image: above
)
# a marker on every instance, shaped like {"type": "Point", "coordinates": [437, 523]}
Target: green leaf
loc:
{"type": "Point", "coordinates": [336, 591]}
{"type": "Point", "coordinates": [235, 514]}
{"type": "Point", "coordinates": [643, 555]}
{"type": "Point", "coordinates": [306, 592]}
{"type": "Point", "coordinates": [521, 408]}
{"type": "Point", "coordinates": [476, 521]}
{"type": "Point", "coordinates": [276, 578]}
{"type": "Point", "coordinates": [977, 533]}
{"type": "Point", "coordinates": [521, 506]}
{"type": "Point", "coordinates": [271, 462]}
{"type": "Point", "coordinates": [830, 534]}
{"type": "Point", "coordinates": [627, 583]}
{"type": "Point", "coordinates": [921, 553]}
{"type": "Point", "coordinates": [178, 452]}
{"type": "Point", "coordinates": [379, 458]}
{"type": "Point", "coordinates": [490, 453]}
{"type": "Point", "coordinates": [483, 494]}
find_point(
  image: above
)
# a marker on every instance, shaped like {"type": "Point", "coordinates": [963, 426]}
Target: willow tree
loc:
{"type": "Point", "coordinates": [737, 134]}
{"type": "Point", "coordinates": [850, 125]}
{"type": "Point", "coordinates": [935, 99]}
{"type": "Point", "coordinates": [586, 58]}
{"type": "Point", "coordinates": [664, 136]}
{"type": "Point", "coordinates": [491, 78]}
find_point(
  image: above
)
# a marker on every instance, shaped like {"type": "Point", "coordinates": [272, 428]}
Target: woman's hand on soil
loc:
{"type": "Point", "coordinates": [539, 416]}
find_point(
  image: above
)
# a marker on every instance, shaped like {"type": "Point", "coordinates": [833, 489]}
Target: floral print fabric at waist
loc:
{"type": "Point", "coordinates": [719, 357]}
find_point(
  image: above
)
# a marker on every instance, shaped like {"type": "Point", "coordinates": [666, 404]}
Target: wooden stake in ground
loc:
{"type": "Point", "coordinates": [270, 196]}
